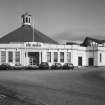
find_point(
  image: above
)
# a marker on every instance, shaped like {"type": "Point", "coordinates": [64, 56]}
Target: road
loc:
{"type": "Point", "coordinates": [84, 87]}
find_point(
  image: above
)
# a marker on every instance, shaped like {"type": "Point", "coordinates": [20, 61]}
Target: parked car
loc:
{"type": "Point", "coordinates": [5, 66]}
{"type": "Point", "coordinates": [68, 66]}
{"type": "Point", "coordinates": [18, 67]}
{"type": "Point", "coordinates": [31, 67]}
{"type": "Point", "coordinates": [56, 66]}
{"type": "Point", "coordinates": [44, 65]}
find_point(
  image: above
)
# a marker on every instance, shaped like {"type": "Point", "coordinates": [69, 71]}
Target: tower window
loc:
{"type": "Point", "coordinates": [29, 20]}
{"type": "Point", "coordinates": [26, 19]}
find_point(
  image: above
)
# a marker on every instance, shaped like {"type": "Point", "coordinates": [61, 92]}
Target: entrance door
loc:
{"type": "Point", "coordinates": [79, 61]}
{"type": "Point", "coordinates": [33, 58]}
{"type": "Point", "coordinates": [90, 61]}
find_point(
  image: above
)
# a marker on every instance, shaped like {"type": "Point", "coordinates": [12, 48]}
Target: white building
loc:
{"type": "Point", "coordinates": [28, 46]}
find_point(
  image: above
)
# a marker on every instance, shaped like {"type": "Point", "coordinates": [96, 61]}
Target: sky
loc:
{"type": "Point", "coordinates": [52, 17]}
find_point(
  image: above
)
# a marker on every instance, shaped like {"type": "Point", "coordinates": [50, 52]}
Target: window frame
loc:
{"type": "Point", "coordinates": [10, 56]}
{"type": "Point", "coordinates": [69, 57]}
{"type": "Point", "coordinates": [61, 57]}
{"type": "Point", "coordinates": [48, 56]}
{"type": "Point", "coordinates": [3, 57]}
{"type": "Point", "coordinates": [55, 56]}
{"type": "Point", "coordinates": [17, 57]}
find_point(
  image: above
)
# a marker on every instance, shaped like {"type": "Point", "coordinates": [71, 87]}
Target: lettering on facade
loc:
{"type": "Point", "coordinates": [33, 45]}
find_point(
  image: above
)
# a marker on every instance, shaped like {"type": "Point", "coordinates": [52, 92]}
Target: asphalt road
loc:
{"type": "Point", "coordinates": [84, 87]}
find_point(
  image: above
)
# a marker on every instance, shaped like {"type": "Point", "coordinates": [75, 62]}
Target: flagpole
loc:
{"type": "Point", "coordinates": [33, 29]}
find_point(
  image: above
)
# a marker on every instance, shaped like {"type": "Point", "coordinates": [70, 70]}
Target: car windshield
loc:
{"type": "Point", "coordinates": [70, 64]}
{"type": "Point", "coordinates": [44, 63]}
{"type": "Point", "coordinates": [66, 64]}
{"type": "Point", "coordinates": [58, 64]}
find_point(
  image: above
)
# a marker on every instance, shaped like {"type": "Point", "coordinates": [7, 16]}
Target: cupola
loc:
{"type": "Point", "coordinates": [26, 19]}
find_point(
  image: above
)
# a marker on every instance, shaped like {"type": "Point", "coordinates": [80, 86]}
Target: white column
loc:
{"type": "Point", "coordinates": [0, 57]}
{"type": "Point", "coordinates": [52, 57]}
{"type": "Point", "coordinates": [22, 57]}
{"type": "Point", "coordinates": [40, 57]}
{"type": "Point", "coordinates": [44, 56]}
{"type": "Point", "coordinates": [6, 56]}
{"type": "Point", "coordinates": [14, 57]}
{"type": "Point", "coordinates": [65, 56]}
{"type": "Point", "coordinates": [58, 56]}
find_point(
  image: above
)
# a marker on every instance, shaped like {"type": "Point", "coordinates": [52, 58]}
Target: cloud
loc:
{"type": "Point", "coordinates": [76, 36]}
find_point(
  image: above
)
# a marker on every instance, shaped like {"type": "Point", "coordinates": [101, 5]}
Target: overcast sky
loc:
{"type": "Point", "coordinates": [55, 16]}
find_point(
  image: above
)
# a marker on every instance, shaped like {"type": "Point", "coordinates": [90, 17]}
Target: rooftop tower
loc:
{"type": "Point", "coordinates": [26, 19]}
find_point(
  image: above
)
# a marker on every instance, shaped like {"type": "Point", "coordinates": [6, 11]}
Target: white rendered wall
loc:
{"type": "Point", "coordinates": [102, 51]}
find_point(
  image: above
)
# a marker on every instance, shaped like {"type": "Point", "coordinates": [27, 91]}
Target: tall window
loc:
{"type": "Point", "coordinates": [61, 56]}
{"type": "Point", "coordinates": [100, 57]}
{"type": "Point", "coordinates": [48, 56]}
{"type": "Point", "coordinates": [17, 57]}
{"type": "Point", "coordinates": [55, 57]}
{"type": "Point", "coordinates": [68, 56]}
{"type": "Point", "coordinates": [26, 19]}
{"type": "Point", "coordinates": [79, 61]}
{"type": "Point", "coordinates": [10, 56]}
{"type": "Point", "coordinates": [3, 56]}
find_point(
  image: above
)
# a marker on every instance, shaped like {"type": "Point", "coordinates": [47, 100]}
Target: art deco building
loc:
{"type": "Point", "coordinates": [28, 46]}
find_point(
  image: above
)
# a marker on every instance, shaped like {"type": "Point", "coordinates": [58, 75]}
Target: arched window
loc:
{"type": "Point", "coordinates": [26, 19]}
{"type": "Point", "coordinates": [29, 20]}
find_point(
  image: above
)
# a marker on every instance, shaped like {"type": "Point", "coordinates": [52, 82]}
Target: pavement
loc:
{"type": "Point", "coordinates": [83, 86]}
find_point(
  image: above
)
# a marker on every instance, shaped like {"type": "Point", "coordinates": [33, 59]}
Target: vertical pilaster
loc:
{"type": "Point", "coordinates": [40, 57]}
{"type": "Point", "coordinates": [14, 57]}
{"type": "Point", "coordinates": [6, 56]}
{"type": "Point", "coordinates": [65, 56]}
{"type": "Point", "coordinates": [58, 56]}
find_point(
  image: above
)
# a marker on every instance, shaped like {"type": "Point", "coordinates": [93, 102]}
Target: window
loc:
{"type": "Point", "coordinates": [55, 57]}
{"type": "Point", "coordinates": [48, 56]}
{"type": "Point", "coordinates": [23, 20]}
{"type": "Point", "coordinates": [61, 56]}
{"type": "Point", "coordinates": [3, 56]}
{"type": "Point", "coordinates": [29, 20]}
{"type": "Point", "coordinates": [10, 56]}
{"type": "Point", "coordinates": [17, 57]}
{"type": "Point", "coordinates": [79, 61]}
{"type": "Point", "coordinates": [26, 19]}
{"type": "Point", "coordinates": [68, 56]}
{"type": "Point", "coordinates": [100, 57]}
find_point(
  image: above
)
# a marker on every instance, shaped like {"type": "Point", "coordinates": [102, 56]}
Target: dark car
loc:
{"type": "Point", "coordinates": [5, 66]}
{"type": "Point", "coordinates": [31, 67]}
{"type": "Point", "coordinates": [56, 66]}
{"type": "Point", "coordinates": [44, 65]}
{"type": "Point", "coordinates": [68, 66]}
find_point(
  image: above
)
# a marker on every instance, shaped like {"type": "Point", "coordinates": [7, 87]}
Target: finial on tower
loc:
{"type": "Point", "coordinates": [26, 19]}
